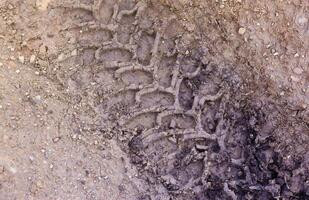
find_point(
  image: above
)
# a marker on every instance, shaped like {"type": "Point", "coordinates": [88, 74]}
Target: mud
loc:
{"type": "Point", "coordinates": [154, 100]}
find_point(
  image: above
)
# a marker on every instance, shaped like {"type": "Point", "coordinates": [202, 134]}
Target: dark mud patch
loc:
{"type": "Point", "coordinates": [247, 160]}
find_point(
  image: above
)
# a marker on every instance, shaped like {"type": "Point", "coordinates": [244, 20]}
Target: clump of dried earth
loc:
{"type": "Point", "coordinates": [157, 99]}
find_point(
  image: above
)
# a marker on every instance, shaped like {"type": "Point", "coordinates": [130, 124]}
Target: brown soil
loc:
{"type": "Point", "coordinates": [157, 99]}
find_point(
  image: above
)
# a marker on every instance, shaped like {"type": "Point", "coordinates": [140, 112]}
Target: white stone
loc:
{"type": "Point", "coordinates": [242, 30]}
{"type": "Point", "coordinates": [32, 59]}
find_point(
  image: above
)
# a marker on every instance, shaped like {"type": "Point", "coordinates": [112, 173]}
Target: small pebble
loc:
{"type": "Point", "coordinates": [10, 7]}
{"type": "Point", "coordinates": [60, 57]}
{"type": "Point", "coordinates": [74, 52]}
{"type": "Point", "coordinates": [39, 184]}
{"type": "Point", "coordinates": [295, 79]}
{"type": "Point", "coordinates": [56, 139]}
{"type": "Point", "coordinates": [12, 170]}
{"type": "Point", "coordinates": [24, 43]}
{"type": "Point", "coordinates": [173, 124]}
{"type": "Point", "coordinates": [21, 59]}
{"type": "Point", "coordinates": [32, 59]}
{"type": "Point", "coordinates": [302, 20]}
{"type": "Point", "coordinates": [17, 71]}
{"type": "Point", "coordinates": [298, 70]}
{"type": "Point", "coordinates": [42, 50]}
{"type": "Point", "coordinates": [31, 158]}
{"type": "Point", "coordinates": [37, 99]}
{"type": "Point", "coordinates": [242, 31]}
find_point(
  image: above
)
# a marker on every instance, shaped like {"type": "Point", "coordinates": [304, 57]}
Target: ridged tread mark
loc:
{"type": "Point", "coordinates": [105, 59]}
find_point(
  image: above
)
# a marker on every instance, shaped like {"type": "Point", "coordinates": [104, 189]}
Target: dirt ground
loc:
{"type": "Point", "coordinates": [154, 99]}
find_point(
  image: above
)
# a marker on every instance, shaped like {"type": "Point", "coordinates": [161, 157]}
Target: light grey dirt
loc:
{"type": "Point", "coordinates": [124, 99]}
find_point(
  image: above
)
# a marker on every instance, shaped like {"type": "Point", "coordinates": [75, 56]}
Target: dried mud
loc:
{"type": "Point", "coordinates": [168, 99]}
